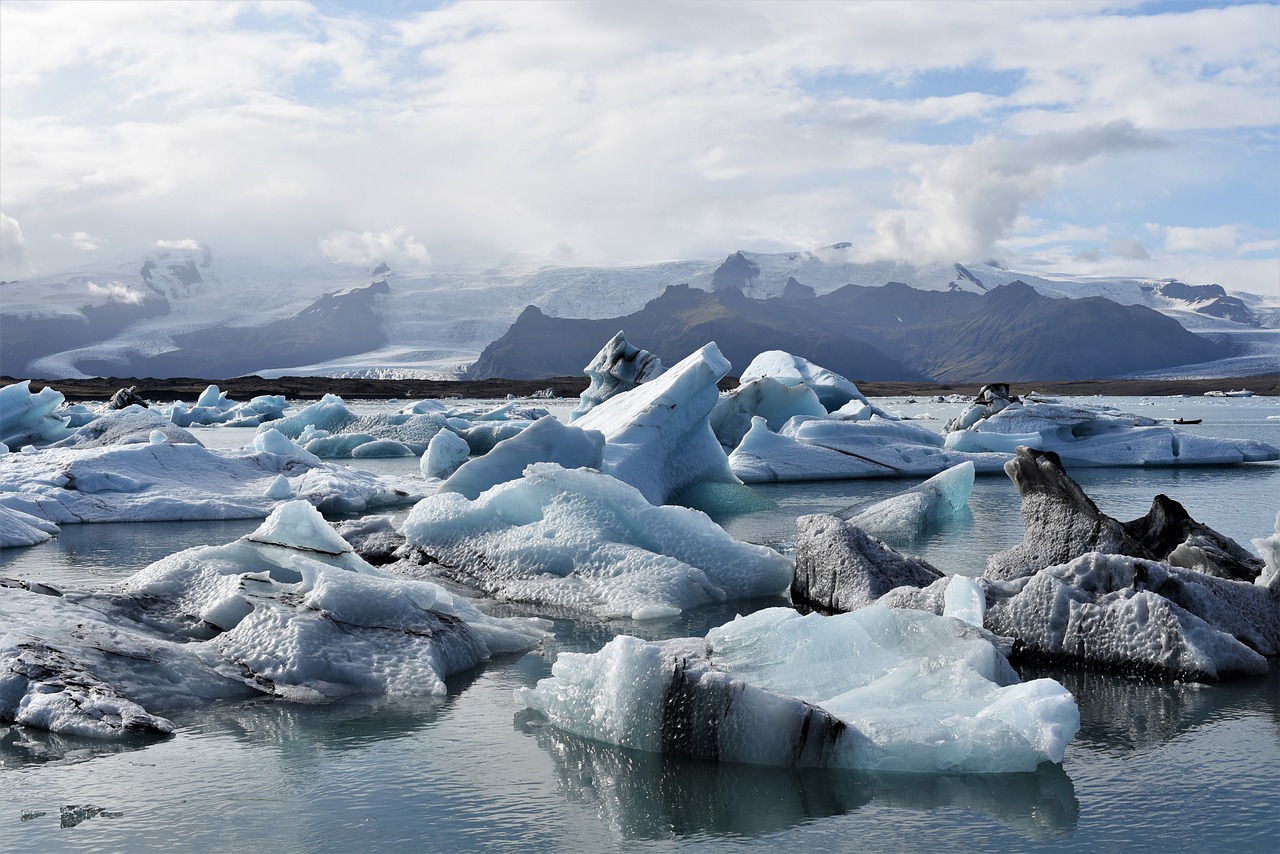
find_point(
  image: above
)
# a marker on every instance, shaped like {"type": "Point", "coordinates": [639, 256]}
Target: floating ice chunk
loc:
{"type": "Point", "coordinates": [27, 418]}
{"type": "Point", "coordinates": [213, 407]}
{"type": "Point", "coordinates": [445, 452]}
{"type": "Point", "coordinates": [965, 600]}
{"type": "Point", "coordinates": [279, 489]}
{"type": "Point", "coordinates": [579, 540]}
{"type": "Point", "coordinates": [1269, 548]}
{"type": "Point", "coordinates": [1116, 611]}
{"type": "Point", "coordinates": [131, 425]}
{"type": "Point", "coordinates": [23, 529]}
{"type": "Point", "coordinates": [874, 689]}
{"type": "Point", "coordinates": [482, 437]}
{"type": "Point", "coordinates": [765, 397]}
{"type": "Point", "coordinates": [910, 514]}
{"type": "Point", "coordinates": [382, 448]}
{"type": "Point", "coordinates": [833, 390]}
{"type": "Point", "coordinates": [618, 367]}
{"type": "Point", "coordinates": [158, 436]}
{"type": "Point", "coordinates": [828, 449]}
{"type": "Point", "coordinates": [274, 442]}
{"type": "Point", "coordinates": [174, 481]}
{"type": "Point", "coordinates": [657, 437]}
{"type": "Point", "coordinates": [546, 440]}
{"type": "Point", "coordinates": [288, 611]}
{"type": "Point", "coordinates": [1094, 436]}
{"type": "Point", "coordinates": [840, 567]}
{"type": "Point", "coordinates": [424, 407]}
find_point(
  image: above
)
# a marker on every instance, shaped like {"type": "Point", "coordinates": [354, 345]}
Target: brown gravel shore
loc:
{"type": "Point", "coordinates": [243, 388]}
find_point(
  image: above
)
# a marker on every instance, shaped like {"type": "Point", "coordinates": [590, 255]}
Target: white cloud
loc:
{"type": "Point", "coordinates": [1221, 238]}
{"type": "Point", "coordinates": [395, 247]}
{"type": "Point", "coordinates": [960, 206]}
{"type": "Point", "coordinates": [13, 248]}
{"type": "Point", "coordinates": [81, 240]}
{"type": "Point", "coordinates": [116, 292]}
{"type": "Point", "coordinates": [188, 243]}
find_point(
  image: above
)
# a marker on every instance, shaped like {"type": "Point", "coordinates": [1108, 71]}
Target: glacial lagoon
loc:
{"type": "Point", "coordinates": [1157, 766]}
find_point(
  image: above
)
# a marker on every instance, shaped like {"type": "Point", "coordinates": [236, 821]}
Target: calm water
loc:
{"type": "Point", "coordinates": [1156, 767]}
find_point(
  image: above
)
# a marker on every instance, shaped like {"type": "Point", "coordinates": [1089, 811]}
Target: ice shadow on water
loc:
{"type": "Point", "coordinates": [648, 796]}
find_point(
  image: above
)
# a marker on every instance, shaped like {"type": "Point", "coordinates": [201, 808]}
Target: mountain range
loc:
{"type": "Point", "coordinates": [189, 312]}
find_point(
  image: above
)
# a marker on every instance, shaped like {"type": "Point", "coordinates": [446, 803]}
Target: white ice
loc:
{"type": "Point", "coordinates": [30, 419]}
{"type": "Point", "coordinates": [145, 481]}
{"type": "Point", "coordinates": [288, 611]}
{"type": "Point", "coordinates": [914, 692]}
{"type": "Point", "coordinates": [766, 397]}
{"type": "Point", "coordinates": [908, 515]}
{"type": "Point", "coordinates": [618, 367]}
{"type": "Point", "coordinates": [445, 452]}
{"type": "Point", "coordinates": [1083, 435]}
{"type": "Point", "coordinates": [546, 440]}
{"type": "Point", "coordinates": [213, 407]}
{"type": "Point", "coordinates": [585, 542]}
{"type": "Point", "coordinates": [831, 449]}
{"type": "Point", "coordinates": [1269, 549]}
{"type": "Point", "coordinates": [23, 529]}
{"type": "Point", "coordinates": [657, 436]}
{"type": "Point", "coordinates": [833, 390]}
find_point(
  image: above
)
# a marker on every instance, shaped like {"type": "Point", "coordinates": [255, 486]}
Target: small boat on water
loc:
{"type": "Point", "coordinates": [1187, 420]}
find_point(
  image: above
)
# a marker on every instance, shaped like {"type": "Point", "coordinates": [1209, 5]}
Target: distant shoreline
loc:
{"type": "Point", "coordinates": [243, 388]}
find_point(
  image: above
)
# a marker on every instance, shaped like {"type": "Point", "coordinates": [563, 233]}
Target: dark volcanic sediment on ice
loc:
{"type": "Point", "coordinates": [243, 388]}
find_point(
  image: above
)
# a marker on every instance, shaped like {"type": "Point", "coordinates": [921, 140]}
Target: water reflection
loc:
{"type": "Point", "coordinates": [647, 796]}
{"type": "Point", "coordinates": [1120, 715]}
{"type": "Point", "coordinates": [21, 746]}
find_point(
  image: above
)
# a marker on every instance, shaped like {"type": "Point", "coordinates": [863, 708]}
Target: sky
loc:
{"type": "Point", "coordinates": [1090, 138]}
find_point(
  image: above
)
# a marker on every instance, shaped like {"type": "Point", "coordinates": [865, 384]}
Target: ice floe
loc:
{"type": "Point", "coordinates": [213, 407]}
{"type": "Point", "coordinates": [657, 436]}
{"type": "Point", "coordinates": [28, 418]}
{"type": "Point", "coordinates": [580, 541]}
{"type": "Point", "coordinates": [618, 367]}
{"type": "Point", "coordinates": [1084, 435]}
{"type": "Point", "coordinates": [878, 688]}
{"type": "Point", "coordinates": [288, 611]}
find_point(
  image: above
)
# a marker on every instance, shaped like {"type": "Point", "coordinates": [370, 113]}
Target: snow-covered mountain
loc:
{"type": "Point", "coordinates": [171, 311]}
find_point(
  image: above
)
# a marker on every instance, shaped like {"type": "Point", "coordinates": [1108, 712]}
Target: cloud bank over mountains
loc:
{"type": "Point", "coordinates": [1117, 138]}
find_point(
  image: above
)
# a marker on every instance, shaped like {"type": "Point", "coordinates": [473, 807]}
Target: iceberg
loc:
{"type": "Point", "coordinates": [544, 441]}
{"type": "Point", "coordinates": [765, 397]}
{"type": "Point", "coordinates": [445, 453]}
{"type": "Point", "coordinates": [23, 529]}
{"type": "Point", "coordinates": [582, 542]}
{"type": "Point", "coordinates": [30, 419]}
{"type": "Point", "coordinates": [832, 449]}
{"type": "Point", "coordinates": [832, 390]}
{"type": "Point", "coordinates": [329, 429]}
{"type": "Point", "coordinates": [288, 611]}
{"type": "Point", "coordinates": [910, 514]}
{"type": "Point", "coordinates": [142, 480]}
{"type": "Point", "coordinates": [1060, 596]}
{"type": "Point", "coordinates": [1084, 435]}
{"type": "Point", "coordinates": [657, 437]}
{"type": "Point", "coordinates": [618, 367]}
{"type": "Point", "coordinates": [213, 407]}
{"type": "Point", "coordinates": [878, 689]}
{"type": "Point", "coordinates": [134, 424]}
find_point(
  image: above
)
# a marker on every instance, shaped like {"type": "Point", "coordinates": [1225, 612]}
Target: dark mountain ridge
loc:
{"type": "Point", "coordinates": [891, 332]}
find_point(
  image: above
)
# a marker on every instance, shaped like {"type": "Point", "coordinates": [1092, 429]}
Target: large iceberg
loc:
{"type": "Point", "coordinates": [618, 367]}
{"type": "Point", "coordinates": [149, 478]}
{"type": "Point", "coordinates": [835, 449]}
{"type": "Point", "coordinates": [30, 419]}
{"type": "Point", "coordinates": [582, 542]}
{"type": "Point", "coordinates": [833, 390]}
{"type": "Point", "coordinates": [288, 611]}
{"type": "Point", "coordinates": [878, 689]}
{"type": "Point", "coordinates": [765, 397]}
{"type": "Point", "coordinates": [657, 437]}
{"type": "Point", "coordinates": [1090, 435]}
{"type": "Point", "coordinates": [544, 441]}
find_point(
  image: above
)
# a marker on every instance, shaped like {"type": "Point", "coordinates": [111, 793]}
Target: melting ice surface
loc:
{"type": "Point", "coordinates": [878, 688]}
